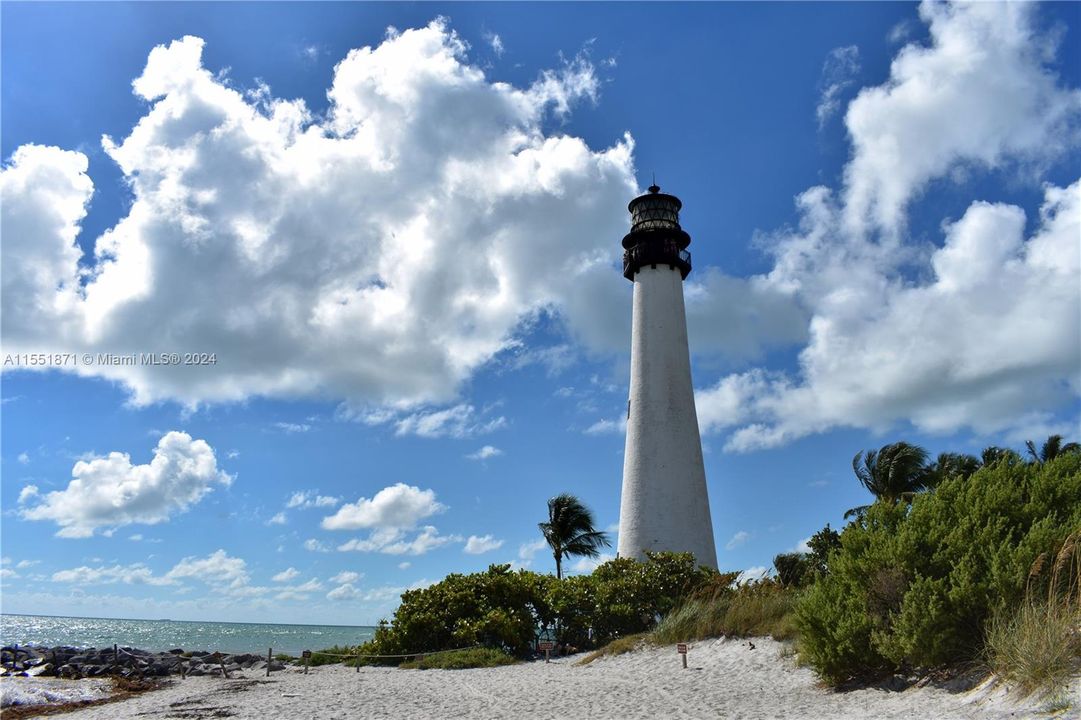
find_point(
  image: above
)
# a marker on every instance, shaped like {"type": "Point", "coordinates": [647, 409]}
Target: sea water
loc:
{"type": "Point", "coordinates": [161, 635]}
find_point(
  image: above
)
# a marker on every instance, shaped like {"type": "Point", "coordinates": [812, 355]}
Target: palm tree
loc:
{"type": "Point", "coordinates": [949, 465]}
{"type": "Point", "coordinates": [893, 473]}
{"type": "Point", "coordinates": [1051, 449]}
{"type": "Point", "coordinates": [569, 530]}
{"type": "Point", "coordinates": [993, 454]}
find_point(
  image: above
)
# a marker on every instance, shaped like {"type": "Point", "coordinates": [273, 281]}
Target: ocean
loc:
{"type": "Point", "coordinates": [161, 635]}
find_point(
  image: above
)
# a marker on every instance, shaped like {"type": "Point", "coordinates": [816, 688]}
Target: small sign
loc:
{"type": "Point", "coordinates": [306, 654]}
{"type": "Point", "coordinates": [546, 645]}
{"type": "Point", "coordinates": [681, 648]}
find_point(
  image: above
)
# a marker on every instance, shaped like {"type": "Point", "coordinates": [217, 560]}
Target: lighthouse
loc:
{"type": "Point", "coordinates": [664, 503]}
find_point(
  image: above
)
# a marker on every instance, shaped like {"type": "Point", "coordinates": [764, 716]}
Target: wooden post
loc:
{"type": "Point", "coordinates": [116, 657]}
{"type": "Point", "coordinates": [307, 657]}
{"type": "Point", "coordinates": [684, 656]}
{"type": "Point", "coordinates": [547, 655]}
{"type": "Point", "coordinates": [681, 648]}
{"type": "Point", "coordinates": [268, 659]}
{"type": "Point", "coordinates": [358, 663]}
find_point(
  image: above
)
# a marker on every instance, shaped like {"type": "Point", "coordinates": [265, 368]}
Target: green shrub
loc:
{"type": "Point", "coordinates": [330, 655]}
{"type": "Point", "coordinates": [619, 646]}
{"type": "Point", "coordinates": [916, 587]}
{"type": "Point", "coordinates": [461, 660]}
{"type": "Point", "coordinates": [793, 569]}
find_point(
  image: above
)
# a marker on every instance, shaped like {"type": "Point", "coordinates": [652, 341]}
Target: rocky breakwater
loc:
{"type": "Point", "coordinates": [69, 662]}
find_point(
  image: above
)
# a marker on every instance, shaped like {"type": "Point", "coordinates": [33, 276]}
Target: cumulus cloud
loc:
{"type": "Point", "coordinates": [218, 568]}
{"type": "Point", "coordinates": [288, 427]}
{"type": "Point", "coordinates": [346, 591]}
{"type": "Point", "coordinates": [485, 453]}
{"type": "Point", "coordinates": [110, 492]}
{"type": "Point", "coordinates": [394, 541]}
{"type": "Point", "coordinates": [607, 427]}
{"type": "Point", "coordinates": [477, 545]}
{"type": "Point", "coordinates": [286, 575]}
{"type": "Point", "coordinates": [979, 93]}
{"type": "Point", "coordinates": [313, 545]}
{"type": "Point", "coordinates": [321, 256]}
{"type": "Point", "coordinates": [277, 519]}
{"type": "Point", "coordinates": [982, 332]}
{"type": "Point", "coordinates": [756, 572]}
{"type": "Point", "coordinates": [397, 506]}
{"type": "Point", "coordinates": [460, 421]}
{"type": "Point", "coordinates": [23, 459]}
{"type": "Point", "coordinates": [346, 576]}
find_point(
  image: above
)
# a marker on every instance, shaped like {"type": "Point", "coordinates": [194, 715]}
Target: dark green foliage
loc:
{"type": "Point", "coordinates": [570, 532]}
{"type": "Point", "coordinates": [915, 587]}
{"type": "Point", "coordinates": [793, 569]}
{"type": "Point", "coordinates": [460, 660]}
{"type": "Point", "coordinates": [994, 454]}
{"type": "Point", "coordinates": [1052, 448]}
{"type": "Point", "coordinates": [949, 465]}
{"type": "Point", "coordinates": [822, 543]}
{"type": "Point", "coordinates": [503, 609]}
{"type": "Point", "coordinates": [893, 473]}
{"type": "Point", "coordinates": [497, 608]}
{"type": "Point", "coordinates": [764, 607]}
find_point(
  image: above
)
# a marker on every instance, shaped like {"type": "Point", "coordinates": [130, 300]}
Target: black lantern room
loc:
{"type": "Point", "coordinates": [655, 237]}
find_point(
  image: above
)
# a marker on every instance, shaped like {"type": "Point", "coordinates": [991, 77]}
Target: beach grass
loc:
{"type": "Point", "coordinates": [759, 609]}
{"type": "Point", "coordinates": [461, 660]}
{"type": "Point", "coordinates": [619, 646]}
{"type": "Point", "coordinates": [1038, 648]}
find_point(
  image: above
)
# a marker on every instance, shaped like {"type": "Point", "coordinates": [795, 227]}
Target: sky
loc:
{"type": "Point", "coordinates": [308, 304]}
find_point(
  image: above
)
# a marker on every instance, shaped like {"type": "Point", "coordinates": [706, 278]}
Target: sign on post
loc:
{"type": "Point", "coordinates": [546, 646]}
{"type": "Point", "coordinates": [307, 655]}
{"type": "Point", "coordinates": [681, 648]}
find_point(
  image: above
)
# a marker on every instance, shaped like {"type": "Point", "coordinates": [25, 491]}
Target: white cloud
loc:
{"type": "Point", "coordinates": [286, 575]}
{"type": "Point", "coordinates": [485, 452]}
{"type": "Point", "coordinates": [756, 572]}
{"type": "Point", "coordinates": [24, 459]}
{"type": "Point", "coordinates": [460, 421]}
{"type": "Point", "coordinates": [608, 427]}
{"type": "Point", "coordinates": [736, 540]}
{"type": "Point", "coordinates": [136, 574]}
{"type": "Point", "coordinates": [110, 492]}
{"type": "Point", "coordinates": [802, 546]}
{"type": "Point", "coordinates": [346, 591]}
{"type": "Point", "coordinates": [218, 568]}
{"type": "Point", "coordinates": [477, 545]}
{"type": "Point", "coordinates": [8, 574]}
{"type": "Point", "coordinates": [309, 499]}
{"type": "Point", "coordinates": [981, 333]}
{"type": "Point", "coordinates": [313, 545]}
{"type": "Point", "coordinates": [397, 506]}
{"type": "Point", "coordinates": [527, 551]}
{"type": "Point", "coordinates": [297, 241]}
{"type": "Point", "coordinates": [588, 565]}
{"type": "Point", "coordinates": [28, 493]}
{"type": "Point", "coordinates": [496, 42]}
{"type": "Point", "coordinates": [405, 565]}
{"type": "Point", "coordinates": [137, 537]}
{"type": "Point", "coordinates": [288, 427]}
{"type": "Point", "coordinates": [392, 541]}
{"type": "Point", "coordinates": [277, 519]}
{"type": "Point", "coordinates": [838, 73]}
{"type": "Point", "coordinates": [345, 577]}
{"type": "Point", "coordinates": [979, 94]}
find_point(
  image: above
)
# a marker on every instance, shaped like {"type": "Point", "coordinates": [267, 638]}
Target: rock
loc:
{"type": "Point", "coordinates": [177, 651]}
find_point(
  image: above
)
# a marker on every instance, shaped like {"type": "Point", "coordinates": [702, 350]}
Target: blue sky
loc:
{"type": "Point", "coordinates": [401, 248]}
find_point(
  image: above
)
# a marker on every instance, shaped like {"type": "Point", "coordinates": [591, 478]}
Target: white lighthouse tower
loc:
{"type": "Point", "coordinates": [665, 504]}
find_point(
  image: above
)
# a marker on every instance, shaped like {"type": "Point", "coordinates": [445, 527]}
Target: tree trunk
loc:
{"type": "Point", "coordinates": [559, 567]}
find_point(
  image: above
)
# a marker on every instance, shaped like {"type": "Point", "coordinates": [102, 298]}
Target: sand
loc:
{"type": "Point", "coordinates": [725, 679]}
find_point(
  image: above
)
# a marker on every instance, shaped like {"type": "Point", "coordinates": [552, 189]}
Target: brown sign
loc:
{"type": "Point", "coordinates": [681, 648]}
{"type": "Point", "coordinates": [547, 645]}
{"type": "Point", "coordinates": [306, 654]}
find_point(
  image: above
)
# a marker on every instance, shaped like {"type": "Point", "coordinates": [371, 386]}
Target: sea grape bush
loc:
{"type": "Point", "coordinates": [914, 587]}
{"type": "Point", "coordinates": [503, 609]}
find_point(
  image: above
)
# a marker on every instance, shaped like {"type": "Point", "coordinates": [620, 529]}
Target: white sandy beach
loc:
{"type": "Point", "coordinates": [725, 679]}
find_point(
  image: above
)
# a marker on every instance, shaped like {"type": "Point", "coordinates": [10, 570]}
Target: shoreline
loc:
{"type": "Point", "coordinates": [724, 678]}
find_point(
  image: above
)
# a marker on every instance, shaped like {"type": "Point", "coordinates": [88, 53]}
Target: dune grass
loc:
{"type": "Point", "coordinates": [1038, 646]}
{"type": "Point", "coordinates": [754, 609]}
{"type": "Point", "coordinates": [461, 660]}
{"type": "Point", "coordinates": [619, 646]}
